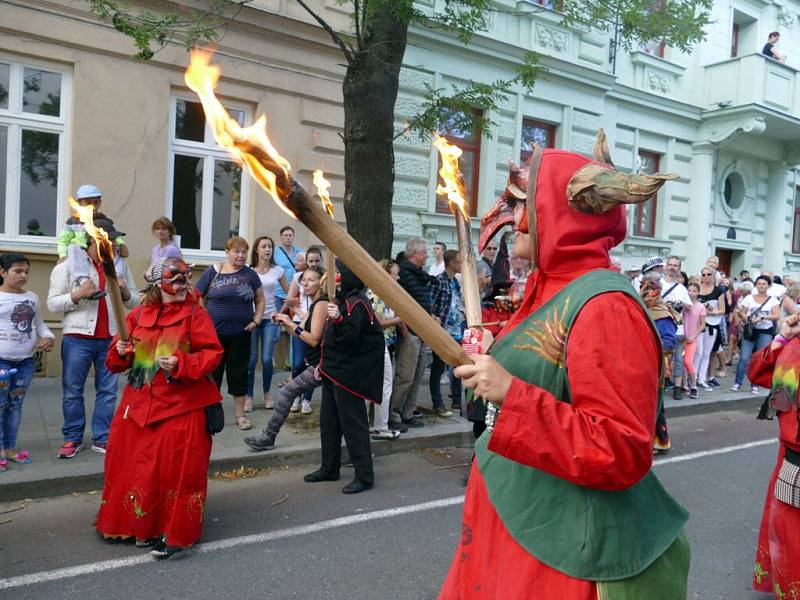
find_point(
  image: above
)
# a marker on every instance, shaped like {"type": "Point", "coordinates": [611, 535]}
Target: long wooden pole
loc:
{"type": "Point", "coordinates": [330, 265]}
{"type": "Point", "coordinates": [114, 292]}
{"type": "Point", "coordinates": [313, 216]}
{"type": "Point", "coordinates": [469, 270]}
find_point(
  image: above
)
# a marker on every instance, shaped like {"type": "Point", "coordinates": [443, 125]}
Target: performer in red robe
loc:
{"type": "Point", "coordinates": [777, 569]}
{"type": "Point", "coordinates": [156, 464]}
{"type": "Point", "coordinates": [600, 440]}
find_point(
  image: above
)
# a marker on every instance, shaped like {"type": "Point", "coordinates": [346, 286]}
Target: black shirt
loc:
{"type": "Point", "coordinates": [767, 50]}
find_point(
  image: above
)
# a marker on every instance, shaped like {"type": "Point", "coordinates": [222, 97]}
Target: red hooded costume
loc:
{"type": "Point", "coordinates": [603, 439]}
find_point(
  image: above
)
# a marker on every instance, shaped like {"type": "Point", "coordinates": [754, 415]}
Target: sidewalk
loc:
{"type": "Point", "coordinates": [298, 442]}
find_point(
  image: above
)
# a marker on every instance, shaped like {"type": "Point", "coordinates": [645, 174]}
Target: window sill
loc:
{"type": "Point", "coordinates": [28, 244]}
{"type": "Point", "coordinates": [202, 257]}
{"type": "Point", "coordinates": [640, 240]}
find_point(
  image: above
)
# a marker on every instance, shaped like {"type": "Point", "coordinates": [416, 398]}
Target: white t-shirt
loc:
{"type": "Point", "coordinates": [436, 269]}
{"type": "Point", "coordinates": [678, 294]}
{"type": "Point", "coordinates": [21, 325]}
{"type": "Point", "coordinates": [776, 290]}
{"type": "Point", "coordinates": [752, 306]}
{"type": "Point", "coordinates": [269, 282]}
{"type": "Point", "coordinates": [305, 303]}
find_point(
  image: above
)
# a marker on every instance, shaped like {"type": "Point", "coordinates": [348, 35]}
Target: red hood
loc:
{"type": "Point", "coordinates": [571, 241]}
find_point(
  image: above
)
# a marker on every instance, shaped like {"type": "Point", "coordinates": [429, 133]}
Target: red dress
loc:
{"type": "Point", "coordinates": [777, 564]}
{"type": "Point", "coordinates": [156, 465]}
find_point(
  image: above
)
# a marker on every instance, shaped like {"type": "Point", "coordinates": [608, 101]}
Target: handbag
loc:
{"type": "Point", "coordinates": [749, 331]}
{"type": "Point", "coordinates": [787, 484]}
{"type": "Point", "coordinates": [215, 418]}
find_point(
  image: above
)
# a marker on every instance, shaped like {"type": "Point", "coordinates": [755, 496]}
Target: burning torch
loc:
{"type": "Point", "coordinates": [252, 147]}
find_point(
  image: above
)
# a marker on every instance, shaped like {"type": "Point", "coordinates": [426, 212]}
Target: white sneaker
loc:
{"type": "Point", "coordinates": [735, 387]}
{"type": "Point", "coordinates": [295, 405]}
{"type": "Point", "coordinates": [756, 391]}
{"type": "Point", "coordinates": [306, 410]}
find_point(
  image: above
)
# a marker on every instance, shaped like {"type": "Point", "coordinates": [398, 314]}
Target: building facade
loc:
{"type": "Point", "coordinates": [74, 109]}
{"type": "Point", "coordinates": [724, 117]}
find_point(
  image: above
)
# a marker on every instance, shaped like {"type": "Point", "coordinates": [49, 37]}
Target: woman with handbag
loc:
{"type": "Point", "coordinates": [712, 296]}
{"type": "Point", "coordinates": [758, 314]}
{"type": "Point", "coordinates": [159, 444]}
{"type": "Point", "coordinates": [777, 569]}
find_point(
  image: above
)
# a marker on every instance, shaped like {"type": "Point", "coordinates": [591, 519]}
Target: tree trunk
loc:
{"type": "Point", "coordinates": [369, 91]}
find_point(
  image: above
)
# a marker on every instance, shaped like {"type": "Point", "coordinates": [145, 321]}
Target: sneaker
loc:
{"type": "Point", "coordinates": [100, 447]}
{"type": "Point", "coordinates": [416, 413]}
{"type": "Point", "coordinates": [306, 407]}
{"type": "Point", "coordinates": [713, 382]}
{"type": "Point", "coordinates": [755, 390]}
{"type": "Point", "coordinates": [385, 434]}
{"type": "Point", "coordinates": [735, 387]}
{"type": "Point", "coordinates": [401, 427]}
{"type": "Point", "coordinates": [693, 393]}
{"type": "Point", "coordinates": [70, 449]}
{"type": "Point", "coordinates": [295, 405]}
{"type": "Point", "coordinates": [414, 422]}
{"type": "Point", "coordinates": [677, 393]}
{"type": "Point", "coordinates": [260, 442]}
{"type": "Point", "coordinates": [704, 386]}
{"type": "Point", "coordinates": [444, 412]}
{"type": "Point", "coordinates": [161, 551]}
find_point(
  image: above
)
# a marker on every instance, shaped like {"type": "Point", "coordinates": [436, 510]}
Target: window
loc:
{"type": "Point", "coordinates": [735, 41]}
{"type": "Point", "coordinates": [644, 220]}
{"type": "Point", "coordinates": [654, 47]}
{"type": "Point", "coordinates": [33, 101]}
{"type": "Point", "coordinates": [542, 134]}
{"type": "Point", "coordinates": [796, 222]}
{"type": "Point", "coordinates": [207, 190]}
{"type": "Point", "coordinates": [469, 140]}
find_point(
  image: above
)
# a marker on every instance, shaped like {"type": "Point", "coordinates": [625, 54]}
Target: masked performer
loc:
{"type": "Point", "coordinates": [777, 366]}
{"type": "Point", "coordinates": [561, 501]}
{"type": "Point", "coordinates": [159, 446]}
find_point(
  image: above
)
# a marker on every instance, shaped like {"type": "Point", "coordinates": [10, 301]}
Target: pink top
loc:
{"type": "Point", "coordinates": [691, 319]}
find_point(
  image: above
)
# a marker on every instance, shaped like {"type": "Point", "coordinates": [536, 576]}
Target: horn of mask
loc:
{"type": "Point", "coordinates": [596, 188]}
{"type": "Point", "coordinates": [601, 153]}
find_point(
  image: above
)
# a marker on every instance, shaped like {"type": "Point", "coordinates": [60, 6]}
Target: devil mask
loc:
{"type": "Point", "coordinates": [168, 274]}
{"type": "Point", "coordinates": [572, 207]}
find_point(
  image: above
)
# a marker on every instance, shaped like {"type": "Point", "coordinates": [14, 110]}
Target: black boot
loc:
{"type": "Point", "coordinates": [356, 487]}
{"type": "Point", "coordinates": [320, 475]}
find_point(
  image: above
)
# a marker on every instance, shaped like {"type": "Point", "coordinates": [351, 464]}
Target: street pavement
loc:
{"type": "Point", "coordinates": [273, 536]}
{"type": "Point", "coordinates": [297, 443]}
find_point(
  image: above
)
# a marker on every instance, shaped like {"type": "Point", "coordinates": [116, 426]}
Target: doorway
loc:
{"type": "Point", "coordinates": [730, 261]}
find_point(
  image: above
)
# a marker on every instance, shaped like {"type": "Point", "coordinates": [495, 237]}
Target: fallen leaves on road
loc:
{"type": "Point", "coordinates": [281, 501]}
{"type": "Point", "coordinates": [240, 473]}
{"type": "Point", "coordinates": [434, 452]}
{"type": "Point", "coordinates": [16, 508]}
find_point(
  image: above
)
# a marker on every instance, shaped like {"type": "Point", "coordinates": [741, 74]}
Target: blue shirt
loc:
{"type": "Point", "coordinates": [285, 260]}
{"type": "Point", "coordinates": [230, 299]}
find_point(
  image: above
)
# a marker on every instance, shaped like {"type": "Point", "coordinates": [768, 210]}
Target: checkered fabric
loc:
{"type": "Point", "coordinates": [787, 486]}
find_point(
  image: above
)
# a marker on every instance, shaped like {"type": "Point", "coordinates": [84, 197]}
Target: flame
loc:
{"type": "Point", "coordinates": [249, 145]}
{"type": "Point", "coordinates": [453, 186]}
{"type": "Point", "coordinates": [86, 216]}
{"type": "Point", "coordinates": [323, 185]}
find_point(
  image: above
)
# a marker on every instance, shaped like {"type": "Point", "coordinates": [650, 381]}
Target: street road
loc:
{"type": "Point", "coordinates": [273, 536]}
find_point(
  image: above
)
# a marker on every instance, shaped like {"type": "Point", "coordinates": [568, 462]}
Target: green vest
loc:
{"type": "Point", "coordinates": [587, 533]}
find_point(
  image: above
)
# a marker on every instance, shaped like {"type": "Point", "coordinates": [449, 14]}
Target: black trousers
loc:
{"type": "Point", "coordinates": [343, 414]}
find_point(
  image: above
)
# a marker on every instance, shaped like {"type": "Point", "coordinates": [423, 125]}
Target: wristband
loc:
{"type": "Point", "coordinates": [298, 330]}
{"type": "Point", "coordinates": [780, 340]}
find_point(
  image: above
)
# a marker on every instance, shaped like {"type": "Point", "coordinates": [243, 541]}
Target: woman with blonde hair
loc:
{"type": "Point", "coordinates": [232, 293]}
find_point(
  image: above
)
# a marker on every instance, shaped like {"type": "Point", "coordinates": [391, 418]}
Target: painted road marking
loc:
{"type": "Point", "coordinates": [269, 536]}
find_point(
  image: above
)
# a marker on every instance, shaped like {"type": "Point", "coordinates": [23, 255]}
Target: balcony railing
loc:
{"type": "Point", "coordinates": [753, 79]}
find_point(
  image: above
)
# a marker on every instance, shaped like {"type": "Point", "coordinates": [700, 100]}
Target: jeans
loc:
{"type": "Point", "coordinates": [380, 420]}
{"type": "Point", "coordinates": [299, 361]}
{"type": "Point", "coordinates": [438, 367]}
{"type": "Point", "coordinates": [677, 359]}
{"type": "Point", "coordinates": [11, 398]}
{"type": "Point", "coordinates": [705, 343]}
{"type": "Point", "coordinates": [77, 357]}
{"type": "Point", "coordinates": [762, 341]}
{"type": "Point", "coordinates": [267, 334]}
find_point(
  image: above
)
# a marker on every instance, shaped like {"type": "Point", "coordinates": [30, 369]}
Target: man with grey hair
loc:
{"type": "Point", "coordinates": [410, 350]}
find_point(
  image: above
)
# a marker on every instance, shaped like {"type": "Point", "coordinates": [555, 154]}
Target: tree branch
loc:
{"type": "Point", "coordinates": [346, 50]}
{"type": "Point", "coordinates": [357, 17]}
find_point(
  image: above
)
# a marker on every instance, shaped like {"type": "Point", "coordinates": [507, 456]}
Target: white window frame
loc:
{"type": "Point", "coordinates": [16, 120]}
{"type": "Point", "coordinates": [209, 151]}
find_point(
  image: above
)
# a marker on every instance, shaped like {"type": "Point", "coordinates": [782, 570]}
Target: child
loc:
{"type": "Point", "coordinates": [21, 326]}
{"type": "Point", "coordinates": [694, 322]}
{"type": "Point", "coordinates": [72, 241]}
{"type": "Point", "coordinates": [165, 231]}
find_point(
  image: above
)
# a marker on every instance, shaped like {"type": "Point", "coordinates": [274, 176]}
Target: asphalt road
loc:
{"type": "Point", "coordinates": [273, 536]}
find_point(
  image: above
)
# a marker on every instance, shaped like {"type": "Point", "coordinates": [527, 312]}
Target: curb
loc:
{"type": "Point", "coordinates": [702, 408]}
{"type": "Point", "coordinates": [60, 486]}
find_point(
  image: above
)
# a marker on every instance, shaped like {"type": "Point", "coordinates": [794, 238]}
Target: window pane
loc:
{"type": "Point", "coordinates": [5, 71]}
{"type": "Point", "coordinates": [534, 133]}
{"type": "Point", "coordinates": [648, 163]}
{"type": "Point", "coordinates": [38, 181]}
{"type": "Point", "coordinates": [796, 197]}
{"type": "Point", "coordinates": [456, 125]}
{"type": "Point", "coordinates": [190, 121]}
{"type": "Point", "coordinates": [3, 170]}
{"type": "Point", "coordinates": [41, 92]}
{"type": "Point", "coordinates": [187, 203]}
{"type": "Point", "coordinates": [227, 203]}
{"type": "Point", "coordinates": [644, 218]}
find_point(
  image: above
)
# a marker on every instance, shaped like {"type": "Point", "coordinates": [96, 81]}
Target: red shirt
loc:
{"type": "Point", "coordinates": [101, 327]}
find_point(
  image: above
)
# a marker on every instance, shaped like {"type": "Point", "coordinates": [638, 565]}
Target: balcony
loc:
{"type": "Point", "coordinates": [753, 80]}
